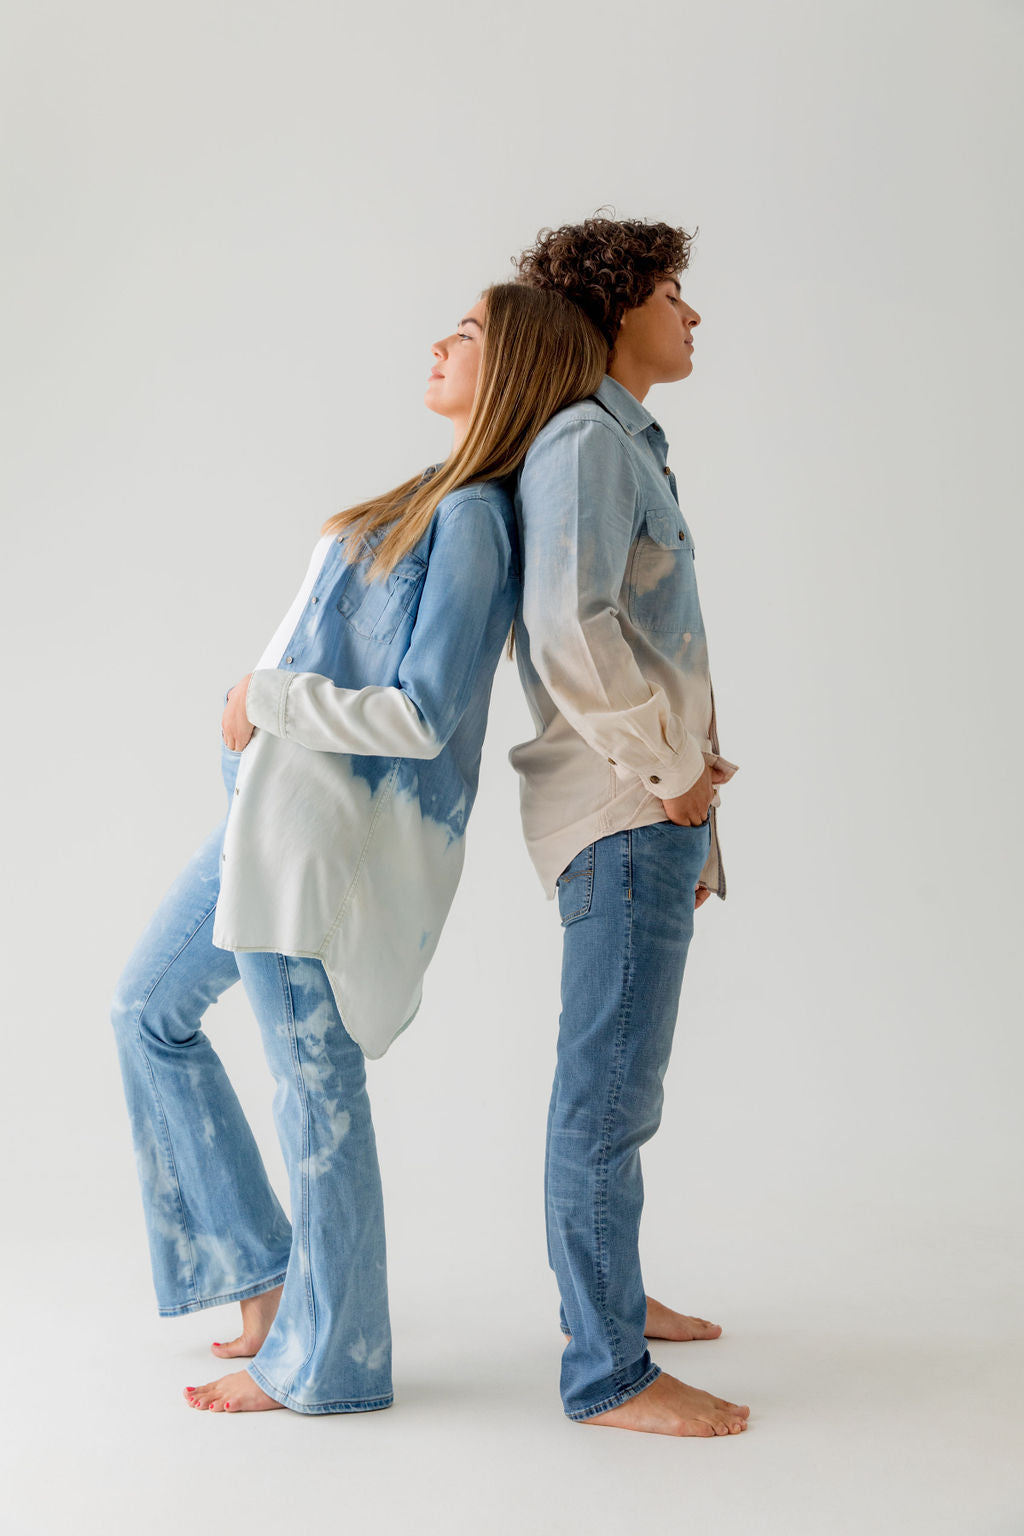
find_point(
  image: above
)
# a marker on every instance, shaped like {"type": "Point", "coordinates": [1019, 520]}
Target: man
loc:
{"type": "Point", "coordinates": [618, 800]}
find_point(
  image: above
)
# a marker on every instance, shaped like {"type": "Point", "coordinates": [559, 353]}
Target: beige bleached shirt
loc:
{"type": "Point", "coordinates": [610, 638]}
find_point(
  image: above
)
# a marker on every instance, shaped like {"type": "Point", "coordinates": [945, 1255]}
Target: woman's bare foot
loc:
{"type": "Point", "coordinates": [237, 1393]}
{"type": "Point", "coordinates": [663, 1323]}
{"type": "Point", "coordinates": [258, 1312]}
{"type": "Point", "coordinates": [670, 1407]}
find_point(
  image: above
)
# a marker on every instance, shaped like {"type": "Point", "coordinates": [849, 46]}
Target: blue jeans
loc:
{"type": "Point", "coordinates": [626, 904]}
{"type": "Point", "coordinates": [216, 1230]}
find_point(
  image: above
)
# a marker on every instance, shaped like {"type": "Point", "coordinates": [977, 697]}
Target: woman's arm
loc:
{"type": "Point", "coordinates": [467, 571]}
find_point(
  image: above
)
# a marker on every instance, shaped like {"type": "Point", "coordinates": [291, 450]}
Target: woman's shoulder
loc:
{"type": "Point", "coordinates": [495, 496]}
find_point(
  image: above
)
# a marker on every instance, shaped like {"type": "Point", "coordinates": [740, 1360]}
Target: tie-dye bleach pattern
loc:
{"type": "Point", "coordinates": [611, 645]}
{"type": "Point", "coordinates": [345, 840]}
{"type": "Point", "coordinates": [341, 848]}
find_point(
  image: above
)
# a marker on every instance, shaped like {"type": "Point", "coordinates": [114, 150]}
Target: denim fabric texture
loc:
{"type": "Point", "coordinates": [346, 836]}
{"type": "Point", "coordinates": [626, 903]}
{"type": "Point", "coordinates": [324, 889]}
{"type": "Point", "coordinates": [612, 650]}
{"type": "Point", "coordinates": [216, 1230]}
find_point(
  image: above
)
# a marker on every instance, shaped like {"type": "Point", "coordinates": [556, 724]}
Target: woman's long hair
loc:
{"type": "Point", "coordinates": [540, 352]}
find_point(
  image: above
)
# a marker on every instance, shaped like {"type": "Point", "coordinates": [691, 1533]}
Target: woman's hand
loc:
{"type": "Point", "coordinates": [235, 728]}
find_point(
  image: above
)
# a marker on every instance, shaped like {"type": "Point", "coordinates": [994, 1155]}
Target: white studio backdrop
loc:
{"type": "Point", "coordinates": [231, 233]}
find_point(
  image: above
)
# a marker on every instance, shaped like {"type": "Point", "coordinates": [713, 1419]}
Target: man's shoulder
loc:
{"type": "Point", "coordinates": [584, 418]}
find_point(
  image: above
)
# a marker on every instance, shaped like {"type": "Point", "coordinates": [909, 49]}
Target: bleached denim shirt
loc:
{"type": "Point", "coordinates": [345, 836]}
{"type": "Point", "coordinates": [611, 642]}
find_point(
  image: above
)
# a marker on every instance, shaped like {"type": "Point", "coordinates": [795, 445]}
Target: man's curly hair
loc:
{"type": "Point", "coordinates": [606, 266]}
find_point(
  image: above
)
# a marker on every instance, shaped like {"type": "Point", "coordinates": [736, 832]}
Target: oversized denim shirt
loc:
{"type": "Point", "coordinates": [345, 834]}
{"type": "Point", "coordinates": [611, 643]}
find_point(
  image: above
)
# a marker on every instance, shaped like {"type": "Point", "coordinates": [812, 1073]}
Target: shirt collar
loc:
{"type": "Point", "coordinates": [626, 408]}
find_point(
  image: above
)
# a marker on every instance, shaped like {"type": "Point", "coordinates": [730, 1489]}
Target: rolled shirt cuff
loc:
{"type": "Point", "coordinates": [666, 780]}
{"type": "Point", "coordinates": [265, 699]}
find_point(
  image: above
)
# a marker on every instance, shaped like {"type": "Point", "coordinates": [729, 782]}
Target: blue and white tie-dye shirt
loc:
{"type": "Point", "coordinates": [345, 836]}
{"type": "Point", "coordinates": [611, 644]}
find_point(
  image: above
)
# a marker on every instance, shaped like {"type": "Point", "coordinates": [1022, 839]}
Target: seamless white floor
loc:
{"type": "Point", "coordinates": [882, 1359]}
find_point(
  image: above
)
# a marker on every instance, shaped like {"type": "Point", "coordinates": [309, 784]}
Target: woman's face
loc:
{"type": "Point", "coordinates": [451, 386]}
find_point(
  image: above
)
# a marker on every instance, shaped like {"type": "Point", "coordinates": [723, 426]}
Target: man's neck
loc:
{"type": "Point", "coordinates": [631, 376]}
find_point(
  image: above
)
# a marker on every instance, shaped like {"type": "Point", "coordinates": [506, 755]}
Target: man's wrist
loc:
{"type": "Point", "coordinates": [667, 781]}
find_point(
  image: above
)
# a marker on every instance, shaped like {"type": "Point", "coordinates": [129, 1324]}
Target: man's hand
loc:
{"type": "Point", "coordinates": [234, 723]}
{"type": "Point", "coordinates": [691, 809]}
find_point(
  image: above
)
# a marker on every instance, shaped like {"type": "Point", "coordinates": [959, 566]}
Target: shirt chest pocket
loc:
{"type": "Point", "coordinates": [378, 609]}
{"type": "Point", "coordinates": [661, 580]}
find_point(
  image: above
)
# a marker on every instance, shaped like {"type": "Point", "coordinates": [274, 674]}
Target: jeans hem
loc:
{"type": "Point", "coordinates": [343, 1405]}
{"type": "Point", "coordinates": [608, 1403]}
{"type": "Point", "coordinates": [243, 1294]}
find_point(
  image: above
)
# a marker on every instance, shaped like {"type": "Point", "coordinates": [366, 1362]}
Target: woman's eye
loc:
{"type": "Point", "coordinates": [462, 336]}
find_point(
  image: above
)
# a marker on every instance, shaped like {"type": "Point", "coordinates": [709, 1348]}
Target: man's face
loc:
{"type": "Point", "coordinates": [656, 337]}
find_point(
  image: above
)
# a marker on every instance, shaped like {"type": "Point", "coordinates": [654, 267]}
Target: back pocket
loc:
{"type": "Point", "coordinates": [576, 886]}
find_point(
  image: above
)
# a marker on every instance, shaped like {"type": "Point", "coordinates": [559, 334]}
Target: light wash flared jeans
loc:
{"type": "Point", "coordinates": [217, 1232]}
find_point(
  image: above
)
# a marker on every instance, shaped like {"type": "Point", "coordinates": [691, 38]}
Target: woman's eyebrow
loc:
{"type": "Point", "coordinates": [470, 321]}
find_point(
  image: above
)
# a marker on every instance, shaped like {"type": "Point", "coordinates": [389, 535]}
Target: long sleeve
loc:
{"type": "Point", "coordinates": [467, 570]}
{"type": "Point", "coordinates": [579, 497]}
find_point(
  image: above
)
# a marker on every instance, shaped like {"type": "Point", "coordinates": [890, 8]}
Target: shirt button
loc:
{"type": "Point", "coordinates": [655, 779]}
{"type": "Point", "coordinates": [289, 660]}
{"type": "Point", "coordinates": [612, 761]}
{"type": "Point", "coordinates": [682, 535]}
{"type": "Point", "coordinates": [667, 470]}
{"type": "Point", "coordinates": [316, 600]}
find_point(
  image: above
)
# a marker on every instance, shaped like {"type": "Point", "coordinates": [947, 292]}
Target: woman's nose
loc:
{"type": "Point", "coordinates": [438, 350]}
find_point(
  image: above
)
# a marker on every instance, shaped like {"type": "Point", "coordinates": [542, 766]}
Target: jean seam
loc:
{"type": "Point", "coordinates": [615, 1089]}
{"type": "Point", "coordinates": [617, 1399]}
{"type": "Point", "coordinates": [340, 1405]}
{"type": "Point", "coordinates": [241, 1293]}
{"type": "Point", "coordinates": [158, 1101]}
{"type": "Point", "coordinates": [303, 1225]}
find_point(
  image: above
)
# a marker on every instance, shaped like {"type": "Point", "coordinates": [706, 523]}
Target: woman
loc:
{"type": "Point", "coordinates": [351, 757]}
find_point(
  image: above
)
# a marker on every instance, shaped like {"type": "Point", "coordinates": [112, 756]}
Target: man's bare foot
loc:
{"type": "Point", "coordinates": [670, 1407]}
{"type": "Point", "coordinates": [237, 1393]}
{"type": "Point", "coordinates": [663, 1323]}
{"type": "Point", "coordinates": [258, 1312]}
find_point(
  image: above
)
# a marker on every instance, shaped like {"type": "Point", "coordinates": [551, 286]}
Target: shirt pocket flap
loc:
{"type": "Point", "coordinates": [376, 609]}
{"type": "Point", "coordinates": [667, 527]}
